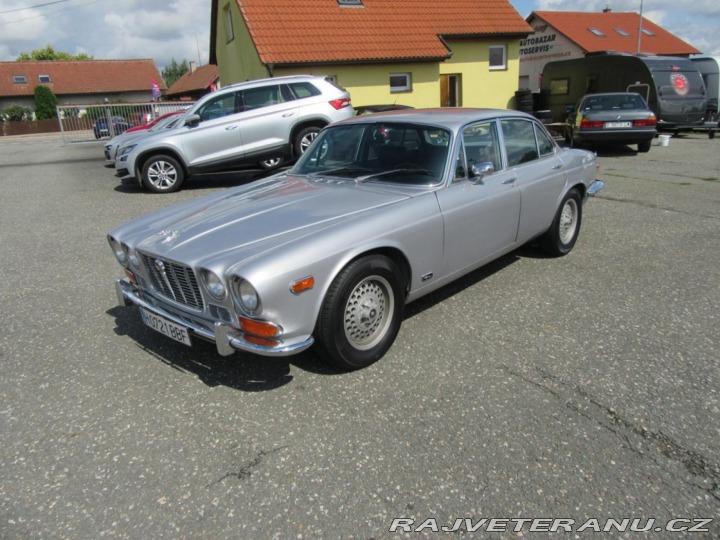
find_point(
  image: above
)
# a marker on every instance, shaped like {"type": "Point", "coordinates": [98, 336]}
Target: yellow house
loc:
{"type": "Point", "coordinates": [421, 53]}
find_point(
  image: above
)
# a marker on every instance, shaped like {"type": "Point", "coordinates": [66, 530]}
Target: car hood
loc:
{"type": "Point", "coordinates": [250, 220]}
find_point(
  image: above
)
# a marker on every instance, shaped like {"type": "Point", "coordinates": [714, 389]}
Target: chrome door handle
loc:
{"type": "Point", "coordinates": [510, 180]}
{"type": "Point", "coordinates": [558, 166]}
{"type": "Point", "coordinates": [234, 126]}
{"type": "Point", "coordinates": [288, 114]}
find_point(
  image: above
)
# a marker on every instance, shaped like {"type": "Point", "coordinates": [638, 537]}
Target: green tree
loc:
{"type": "Point", "coordinates": [45, 103]}
{"type": "Point", "coordinates": [172, 73]}
{"type": "Point", "coordinates": [49, 53]}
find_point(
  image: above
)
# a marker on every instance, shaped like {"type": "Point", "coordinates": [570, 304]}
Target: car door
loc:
{"type": "Point", "coordinates": [268, 117]}
{"type": "Point", "coordinates": [480, 214]}
{"type": "Point", "coordinates": [216, 138]}
{"type": "Point", "coordinates": [532, 158]}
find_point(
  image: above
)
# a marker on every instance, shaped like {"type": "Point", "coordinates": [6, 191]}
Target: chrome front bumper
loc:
{"type": "Point", "coordinates": [595, 187]}
{"type": "Point", "coordinates": [228, 339]}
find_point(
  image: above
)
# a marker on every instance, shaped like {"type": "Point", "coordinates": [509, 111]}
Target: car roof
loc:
{"type": "Point", "coordinates": [274, 80]}
{"type": "Point", "coordinates": [449, 117]}
{"type": "Point", "coordinates": [600, 94]}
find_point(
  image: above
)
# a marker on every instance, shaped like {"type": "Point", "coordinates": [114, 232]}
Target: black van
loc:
{"type": "Point", "coordinates": [671, 86]}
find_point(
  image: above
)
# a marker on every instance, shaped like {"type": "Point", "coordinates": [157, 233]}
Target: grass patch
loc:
{"type": "Point", "coordinates": [711, 179]}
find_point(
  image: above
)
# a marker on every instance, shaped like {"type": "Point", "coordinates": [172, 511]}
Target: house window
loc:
{"type": "Point", "coordinates": [44, 78]}
{"type": "Point", "coordinates": [622, 32]}
{"type": "Point", "coordinates": [498, 56]}
{"type": "Point", "coordinates": [559, 87]}
{"type": "Point", "coordinates": [350, 2]}
{"type": "Point", "coordinates": [229, 31]}
{"type": "Point", "coordinates": [597, 32]}
{"type": "Point", "coordinates": [647, 32]}
{"type": "Point", "coordinates": [400, 82]}
{"type": "Point", "coordinates": [19, 79]}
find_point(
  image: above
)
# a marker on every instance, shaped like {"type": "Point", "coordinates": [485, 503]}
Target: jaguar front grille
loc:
{"type": "Point", "coordinates": [174, 281]}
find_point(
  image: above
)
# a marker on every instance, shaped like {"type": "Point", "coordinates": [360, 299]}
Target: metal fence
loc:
{"type": "Point", "coordinates": [90, 122]}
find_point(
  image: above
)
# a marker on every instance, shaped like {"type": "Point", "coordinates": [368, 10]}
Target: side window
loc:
{"type": "Point", "coordinates": [481, 144]}
{"type": "Point", "coordinates": [218, 107]}
{"type": "Point", "coordinates": [265, 96]}
{"type": "Point", "coordinates": [519, 141]}
{"type": "Point", "coordinates": [304, 90]}
{"type": "Point", "coordinates": [545, 144]}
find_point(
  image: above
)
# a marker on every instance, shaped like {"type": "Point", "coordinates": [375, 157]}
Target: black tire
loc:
{"type": "Point", "coordinates": [361, 314]}
{"type": "Point", "coordinates": [162, 174]}
{"type": "Point", "coordinates": [271, 164]}
{"type": "Point", "coordinates": [304, 138]}
{"type": "Point", "coordinates": [560, 238]}
{"type": "Point", "coordinates": [644, 146]}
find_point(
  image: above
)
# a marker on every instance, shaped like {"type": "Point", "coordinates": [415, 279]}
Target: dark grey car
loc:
{"type": "Point", "coordinates": [616, 118]}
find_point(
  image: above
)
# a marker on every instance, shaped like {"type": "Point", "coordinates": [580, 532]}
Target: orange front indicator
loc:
{"type": "Point", "coordinates": [131, 277]}
{"type": "Point", "coordinates": [261, 329]}
{"type": "Point", "coordinates": [263, 342]}
{"type": "Point", "coordinates": [302, 285]}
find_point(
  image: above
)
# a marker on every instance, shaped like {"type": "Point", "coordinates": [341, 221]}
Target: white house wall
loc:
{"type": "Point", "coordinates": [545, 45]}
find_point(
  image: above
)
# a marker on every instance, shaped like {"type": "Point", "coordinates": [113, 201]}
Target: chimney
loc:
{"type": "Point", "coordinates": [607, 9]}
{"type": "Point", "coordinates": [193, 66]}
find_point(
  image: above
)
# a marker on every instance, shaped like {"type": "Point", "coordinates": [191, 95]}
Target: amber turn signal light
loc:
{"type": "Point", "coordinates": [302, 284]}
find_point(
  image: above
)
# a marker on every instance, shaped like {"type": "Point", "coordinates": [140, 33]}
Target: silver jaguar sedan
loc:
{"type": "Point", "coordinates": [379, 211]}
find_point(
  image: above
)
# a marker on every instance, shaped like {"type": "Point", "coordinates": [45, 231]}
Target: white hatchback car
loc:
{"type": "Point", "coordinates": [259, 122]}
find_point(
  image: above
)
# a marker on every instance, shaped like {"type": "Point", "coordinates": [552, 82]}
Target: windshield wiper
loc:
{"type": "Point", "coordinates": [340, 171]}
{"type": "Point", "coordinates": [424, 172]}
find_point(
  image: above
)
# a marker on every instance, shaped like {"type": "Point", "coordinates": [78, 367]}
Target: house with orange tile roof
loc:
{"type": "Point", "coordinates": [421, 53]}
{"type": "Point", "coordinates": [562, 35]}
{"type": "Point", "coordinates": [194, 84]}
{"type": "Point", "coordinates": [79, 81]}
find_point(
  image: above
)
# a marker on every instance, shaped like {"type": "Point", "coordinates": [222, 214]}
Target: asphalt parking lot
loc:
{"type": "Point", "coordinates": [580, 388]}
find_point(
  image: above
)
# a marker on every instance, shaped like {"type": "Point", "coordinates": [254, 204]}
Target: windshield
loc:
{"type": "Point", "coordinates": [384, 152]}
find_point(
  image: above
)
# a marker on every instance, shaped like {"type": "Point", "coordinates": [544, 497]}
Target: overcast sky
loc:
{"type": "Point", "coordinates": [180, 29]}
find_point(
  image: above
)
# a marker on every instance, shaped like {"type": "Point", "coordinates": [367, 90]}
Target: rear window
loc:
{"type": "Point", "coordinates": [613, 102]}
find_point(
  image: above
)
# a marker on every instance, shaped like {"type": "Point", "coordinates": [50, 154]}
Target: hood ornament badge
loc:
{"type": "Point", "coordinates": [169, 236]}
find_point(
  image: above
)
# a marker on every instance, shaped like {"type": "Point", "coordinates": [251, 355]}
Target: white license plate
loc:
{"type": "Point", "coordinates": [618, 124]}
{"type": "Point", "coordinates": [165, 327]}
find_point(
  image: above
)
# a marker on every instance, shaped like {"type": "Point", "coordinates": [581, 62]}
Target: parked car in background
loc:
{"type": "Point", "coordinates": [116, 125]}
{"type": "Point", "coordinates": [370, 109]}
{"type": "Point", "coordinates": [165, 121]}
{"type": "Point", "coordinates": [258, 122]}
{"type": "Point", "coordinates": [152, 123]}
{"type": "Point", "coordinates": [379, 211]}
{"type": "Point", "coordinates": [612, 118]}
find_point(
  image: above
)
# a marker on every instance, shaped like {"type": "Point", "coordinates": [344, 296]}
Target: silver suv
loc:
{"type": "Point", "coordinates": [264, 121]}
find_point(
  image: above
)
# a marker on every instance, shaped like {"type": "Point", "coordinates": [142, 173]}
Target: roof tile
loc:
{"type": "Point", "coordinates": [192, 81]}
{"type": "Point", "coordinates": [81, 76]}
{"type": "Point", "coordinates": [324, 31]}
{"type": "Point", "coordinates": [574, 25]}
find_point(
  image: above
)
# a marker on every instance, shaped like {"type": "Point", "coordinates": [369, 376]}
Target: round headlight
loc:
{"type": "Point", "coordinates": [133, 258]}
{"type": "Point", "coordinates": [214, 285]}
{"type": "Point", "coordinates": [248, 296]}
{"type": "Point", "coordinates": [119, 252]}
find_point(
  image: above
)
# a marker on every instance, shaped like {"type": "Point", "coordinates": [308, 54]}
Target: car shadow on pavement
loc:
{"type": "Point", "coordinates": [460, 284]}
{"type": "Point", "coordinates": [241, 371]}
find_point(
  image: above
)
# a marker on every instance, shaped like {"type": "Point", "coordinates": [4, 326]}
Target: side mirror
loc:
{"type": "Point", "coordinates": [192, 120]}
{"type": "Point", "coordinates": [478, 171]}
{"type": "Point", "coordinates": [569, 109]}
